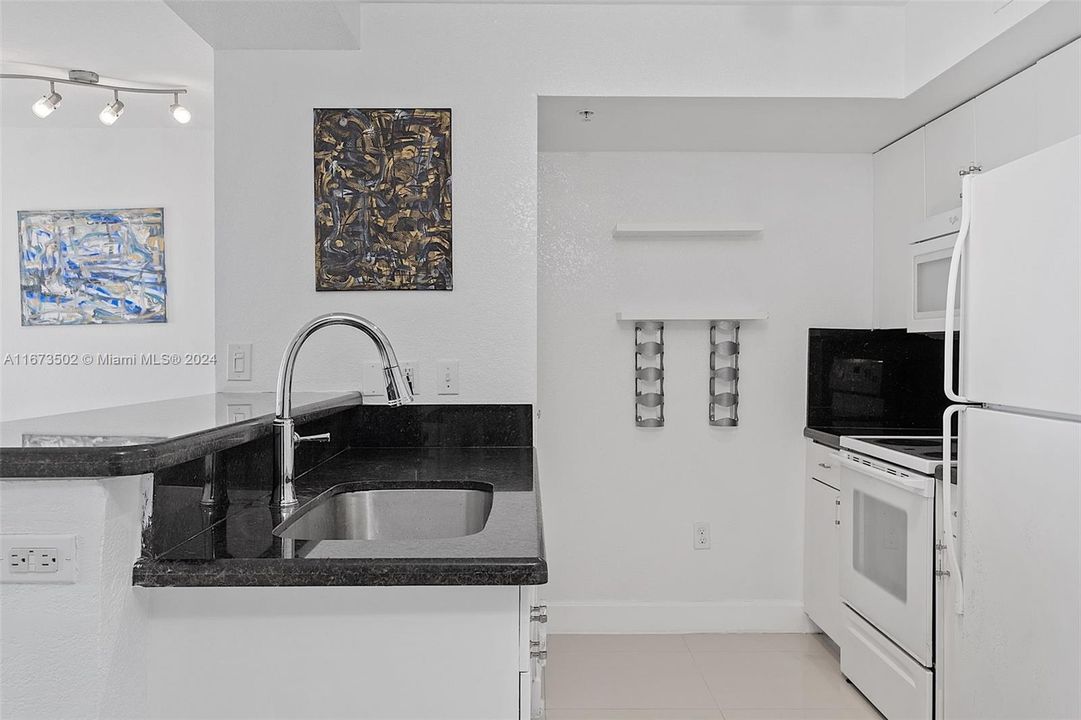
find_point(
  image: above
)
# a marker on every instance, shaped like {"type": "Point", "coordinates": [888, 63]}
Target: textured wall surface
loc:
{"type": "Point", "coordinates": [170, 168]}
{"type": "Point", "coordinates": [88, 637]}
{"type": "Point", "coordinates": [620, 501]}
{"type": "Point", "coordinates": [487, 63]}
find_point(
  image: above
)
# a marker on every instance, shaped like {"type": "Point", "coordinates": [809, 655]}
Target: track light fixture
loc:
{"type": "Point", "coordinates": [46, 104]}
{"type": "Point", "coordinates": [180, 113]}
{"type": "Point", "coordinates": [112, 112]}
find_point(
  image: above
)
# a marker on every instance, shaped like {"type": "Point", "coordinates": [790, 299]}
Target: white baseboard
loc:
{"type": "Point", "coordinates": [678, 617]}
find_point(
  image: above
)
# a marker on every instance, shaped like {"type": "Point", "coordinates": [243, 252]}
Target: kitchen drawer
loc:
{"type": "Point", "coordinates": [822, 466]}
{"type": "Point", "coordinates": [896, 684]}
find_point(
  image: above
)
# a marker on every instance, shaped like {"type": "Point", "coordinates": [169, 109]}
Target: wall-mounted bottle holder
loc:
{"type": "Point", "coordinates": [649, 374]}
{"type": "Point", "coordinates": [724, 373]}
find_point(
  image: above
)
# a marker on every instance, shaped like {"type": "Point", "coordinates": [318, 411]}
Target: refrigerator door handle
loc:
{"type": "Point", "coordinates": [951, 289]}
{"type": "Point", "coordinates": [949, 539]}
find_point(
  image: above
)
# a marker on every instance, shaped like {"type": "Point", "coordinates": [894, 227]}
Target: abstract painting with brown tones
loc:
{"type": "Point", "coordinates": [382, 199]}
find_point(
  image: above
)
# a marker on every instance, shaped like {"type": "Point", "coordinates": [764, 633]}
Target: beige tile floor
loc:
{"type": "Point", "coordinates": [684, 677]}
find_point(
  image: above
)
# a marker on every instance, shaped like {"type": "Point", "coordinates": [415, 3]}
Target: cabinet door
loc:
{"type": "Point", "coordinates": [533, 625]}
{"type": "Point", "coordinates": [1058, 95]}
{"type": "Point", "coordinates": [899, 207]}
{"type": "Point", "coordinates": [821, 567]}
{"type": "Point", "coordinates": [949, 147]}
{"type": "Point", "coordinates": [1005, 120]}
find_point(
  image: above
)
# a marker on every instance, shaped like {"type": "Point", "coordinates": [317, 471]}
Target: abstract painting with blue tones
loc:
{"type": "Point", "coordinates": [92, 267]}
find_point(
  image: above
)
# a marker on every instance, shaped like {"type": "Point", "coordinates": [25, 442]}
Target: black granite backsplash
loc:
{"type": "Point", "coordinates": [443, 426]}
{"type": "Point", "coordinates": [250, 466]}
{"type": "Point", "coordinates": [874, 381]}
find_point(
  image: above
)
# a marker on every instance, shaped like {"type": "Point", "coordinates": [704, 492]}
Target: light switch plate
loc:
{"type": "Point", "coordinates": [238, 362]}
{"type": "Point", "coordinates": [37, 558]}
{"type": "Point", "coordinates": [411, 371]}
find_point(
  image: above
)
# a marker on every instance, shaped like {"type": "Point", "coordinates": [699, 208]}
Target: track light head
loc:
{"type": "Point", "coordinates": [180, 113]}
{"type": "Point", "coordinates": [112, 112]}
{"type": "Point", "coordinates": [45, 105]}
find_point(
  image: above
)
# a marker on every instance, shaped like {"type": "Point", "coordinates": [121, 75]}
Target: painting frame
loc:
{"type": "Point", "coordinates": [382, 199]}
{"type": "Point", "coordinates": [92, 266]}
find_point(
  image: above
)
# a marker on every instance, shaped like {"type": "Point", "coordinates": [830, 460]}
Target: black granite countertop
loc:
{"type": "Point", "coordinates": [150, 436]}
{"type": "Point", "coordinates": [191, 546]}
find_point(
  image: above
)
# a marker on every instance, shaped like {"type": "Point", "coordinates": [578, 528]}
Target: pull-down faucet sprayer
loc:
{"type": "Point", "coordinates": [285, 436]}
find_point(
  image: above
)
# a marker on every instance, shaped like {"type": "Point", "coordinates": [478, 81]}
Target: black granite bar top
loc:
{"type": "Point", "coordinates": [192, 546]}
{"type": "Point", "coordinates": [832, 436]}
{"type": "Point", "coordinates": [146, 437]}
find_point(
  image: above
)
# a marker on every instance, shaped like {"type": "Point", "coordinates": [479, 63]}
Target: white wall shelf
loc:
{"type": "Point", "coordinates": [675, 315]}
{"type": "Point", "coordinates": [677, 231]}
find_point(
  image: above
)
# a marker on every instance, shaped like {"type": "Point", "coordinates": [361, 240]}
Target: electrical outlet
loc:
{"type": "Point", "coordinates": [43, 560]}
{"type": "Point", "coordinates": [38, 558]}
{"type": "Point", "coordinates": [373, 381]}
{"type": "Point", "coordinates": [411, 371]}
{"type": "Point", "coordinates": [18, 560]}
{"type": "Point", "coordinates": [239, 362]}
{"type": "Point", "coordinates": [701, 536]}
{"type": "Point", "coordinates": [447, 377]}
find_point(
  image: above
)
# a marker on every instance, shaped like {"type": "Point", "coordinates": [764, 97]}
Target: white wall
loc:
{"type": "Point", "coordinates": [620, 501]}
{"type": "Point", "coordinates": [488, 63]}
{"type": "Point", "coordinates": [78, 650]}
{"type": "Point", "coordinates": [69, 160]}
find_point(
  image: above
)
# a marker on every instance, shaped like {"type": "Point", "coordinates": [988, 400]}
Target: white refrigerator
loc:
{"type": "Point", "coordinates": [1008, 594]}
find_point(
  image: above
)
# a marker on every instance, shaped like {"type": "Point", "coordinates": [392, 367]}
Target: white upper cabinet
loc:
{"type": "Point", "coordinates": [1058, 95]}
{"type": "Point", "coordinates": [1005, 120]}
{"type": "Point", "coordinates": [918, 176]}
{"type": "Point", "coordinates": [948, 148]}
{"type": "Point", "coordinates": [899, 208]}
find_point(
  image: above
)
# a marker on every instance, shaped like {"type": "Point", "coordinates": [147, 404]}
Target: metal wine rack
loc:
{"type": "Point", "coordinates": [649, 374]}
{"type": "Point", "coordinates": [724, 373]}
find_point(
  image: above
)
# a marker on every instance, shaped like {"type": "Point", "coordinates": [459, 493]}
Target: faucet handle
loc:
{"type": "Point", "coordinates": [321, 438]}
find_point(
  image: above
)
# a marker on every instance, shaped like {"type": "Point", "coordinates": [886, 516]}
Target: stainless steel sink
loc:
{"type": "Point", "coordinates": [429, 511]}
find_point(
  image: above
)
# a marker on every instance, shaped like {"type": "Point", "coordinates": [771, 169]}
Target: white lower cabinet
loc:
{"type": "Point", "coordinates": [821, 559]}
{"type": "Point", "coordinates": [533, 621]}
{"type": "Point", "coordinates": [434, 653]}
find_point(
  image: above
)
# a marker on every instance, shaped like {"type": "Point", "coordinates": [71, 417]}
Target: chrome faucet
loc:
{"type": "Point", "coordinates": [285, 435]}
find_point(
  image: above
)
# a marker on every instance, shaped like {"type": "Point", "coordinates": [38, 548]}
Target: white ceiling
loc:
{"type": "Point", "coordinates": [764, 124]}
{"type": "Point", "coordinates": [127, 43]}
{"type": "Point", "coordinates": [272, 24]}
{"type": "Point", "coordinates": [718, 124]}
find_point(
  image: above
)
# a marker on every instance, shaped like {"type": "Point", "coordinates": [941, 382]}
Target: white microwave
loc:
{"type": "Point", "coordinates": [929, 270]}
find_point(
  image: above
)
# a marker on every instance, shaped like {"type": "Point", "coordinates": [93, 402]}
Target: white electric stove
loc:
{"type": "Point", "coordinates": [887, 569]}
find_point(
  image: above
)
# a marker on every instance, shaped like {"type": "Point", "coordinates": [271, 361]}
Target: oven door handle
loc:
{"type": "Point", "coordinates": [923, 488]}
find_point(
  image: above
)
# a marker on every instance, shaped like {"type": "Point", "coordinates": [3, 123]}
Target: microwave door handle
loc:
{"type": "Point", "coordinates": [912, 485]}
{"type": "Point", "coordinates": [949, 538]}
{"type": "Point", "coordinates": [951, 290]}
